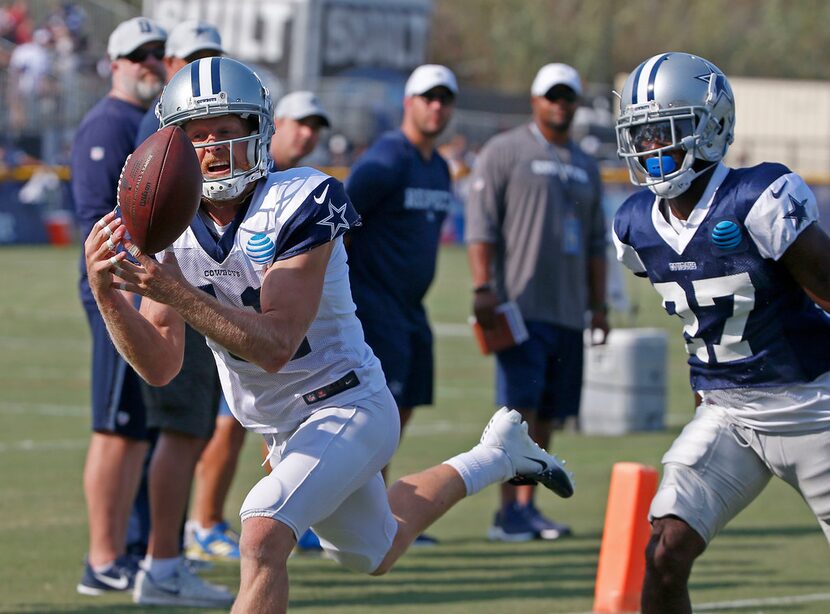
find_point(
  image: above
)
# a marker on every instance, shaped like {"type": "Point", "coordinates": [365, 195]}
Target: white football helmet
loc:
{"type": "Point", "coordinates": [674, 101]}
{"type": "Point", "coordinates": [221, 86]}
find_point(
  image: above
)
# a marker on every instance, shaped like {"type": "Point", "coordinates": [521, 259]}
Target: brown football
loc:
{"type": "Point", "coordinates": [160, 189]}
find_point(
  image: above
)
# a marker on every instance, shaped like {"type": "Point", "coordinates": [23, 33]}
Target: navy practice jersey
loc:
{"type": "Point", "coordinates": [290, 213]}
{"type": "Point", "coordinates": [103, 141]}
{"type": "Point", "coordinates": [747, 323]}
{"type": "Point", "coordinates": [403, 200]}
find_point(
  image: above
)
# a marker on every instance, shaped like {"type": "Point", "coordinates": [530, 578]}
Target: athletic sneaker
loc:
{"type": "Point", "coordinates": [183, 588]}
{"type": "Point", "coordinates": [511, 524]}
{"type": "Point", "coordinates": [219, 543]}
{"type": "Point", "coordinates": [119, 576]}
{"type": "Point", "coordinates": [544, 527]}
{"type": "Point", "coordinates": [530, 463]}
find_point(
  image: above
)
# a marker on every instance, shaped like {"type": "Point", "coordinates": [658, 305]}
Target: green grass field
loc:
{"type": "Point", "coordinates": [773, 555]}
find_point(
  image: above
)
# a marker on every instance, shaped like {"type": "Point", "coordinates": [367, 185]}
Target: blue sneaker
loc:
{"type": "Point", "coordinates": [544, 527]}
{"type": "Point", "coordinates": [511, 524]}
{"type": "Point", "coordinates": [309, 542]}
{"type": "Point", "coordinates": [119, 576]}
{"type": "Point", "coordinates": [219, 543]}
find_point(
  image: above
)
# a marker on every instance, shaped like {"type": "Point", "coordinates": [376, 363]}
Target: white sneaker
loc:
{"type": "Point", "coordinates": [183, 588]}
{"type": "Point", "coordinates": [531, 464]}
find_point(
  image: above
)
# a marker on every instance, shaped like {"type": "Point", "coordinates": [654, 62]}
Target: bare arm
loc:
{"type": "Point", "coordinates": [597, 274]}
{"type": "Point", "coordinates": [480, 256]}
{"type": "Point", "coordinates": [289, 299]}
{"type": "Point", "coordinates": [152, 340]}
{"type": "Point", "coordinates": [808, 261]}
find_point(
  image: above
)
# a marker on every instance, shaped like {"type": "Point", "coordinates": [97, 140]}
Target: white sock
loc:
{"type": "Point", "coordinates": [161, 569]}
{"type": "Point", "coordinates": [102, 568]}
{"type": "Point", "coordinates": [481, 466]}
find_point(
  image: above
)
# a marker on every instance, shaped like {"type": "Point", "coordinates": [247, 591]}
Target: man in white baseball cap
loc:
{"type": "Point", "coordinates": [133, 34]}
{"type": "Point", "coordinates": [193, 40]}
{"type": "Point", "coordinates": [552, 75]}
{"type": "Point", "coordinates": [535, 233]}
{"type": "Point", "coordinates": [429, 76]}
{"type": "Point", "coordinates": [402, 187]}
{"type": "Point", "coordinates": [187, 42]}
{"type": "Point", "coordinates": [119, 439]}
{"type": "Point", "coordinates": [298, 120]}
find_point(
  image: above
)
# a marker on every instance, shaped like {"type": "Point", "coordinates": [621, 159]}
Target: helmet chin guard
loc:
{"type": "Point", "coordinates": [216, 86]}
{"type": "Point", "coordinates": [674, 102]}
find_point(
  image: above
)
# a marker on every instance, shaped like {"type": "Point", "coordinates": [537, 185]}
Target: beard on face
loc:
{"type": "Point", "coordinates": [147, 89]}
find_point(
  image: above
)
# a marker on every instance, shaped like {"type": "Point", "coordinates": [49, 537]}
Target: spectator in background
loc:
{"type": "Point", "coordinates": [298, 120]}
{"type": "Point", "coordinates": [31, 90]}
{"type": "Point", "coordinates": [119, 439]}
{"type": "Point", "coordinates": [184, 411]}
{"type": "Point", "coordinates": [536, 235]}
{"type": "Point", "coordinates": [401, 187]}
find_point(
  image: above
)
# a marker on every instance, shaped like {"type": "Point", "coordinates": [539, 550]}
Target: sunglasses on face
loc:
{"type": "Point", "coordinates": [142, 53]}
{"type": "Point", "coordinates": [444, 97]}
{"type": "Point", "coordinates": [560, 93]}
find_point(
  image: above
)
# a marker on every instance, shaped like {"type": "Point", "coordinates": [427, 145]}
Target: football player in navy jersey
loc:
{"type": "Point", "coordinates": [261, 272]}
{"type": "Point", "coordinates": [739, 256]}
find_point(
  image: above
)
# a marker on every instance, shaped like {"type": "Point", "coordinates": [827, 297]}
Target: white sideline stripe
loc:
{"type": "Point", "coordinates": [29, 445]}
{"type": "Point", "coordinates": [448, 329]}
{"type": "Point", "coordinates": [751, 603]}
{"type": "Point", "coordinates": [43, 409]}
{"type": "Point", "coordinates": [738, 604]}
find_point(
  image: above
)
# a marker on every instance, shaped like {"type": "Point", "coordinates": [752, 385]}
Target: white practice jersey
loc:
{"type": "Point", "coordinates": [290, 213]}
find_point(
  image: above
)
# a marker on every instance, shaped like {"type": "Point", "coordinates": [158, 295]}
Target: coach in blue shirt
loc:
{"type": "Point", "coordinates": [401, 187]}
{"type": "Point", "coordinates": [119, 440]}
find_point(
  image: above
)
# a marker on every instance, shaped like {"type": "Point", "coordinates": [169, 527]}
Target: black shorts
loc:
{"type": "Point", "coordinates": [189, 403]}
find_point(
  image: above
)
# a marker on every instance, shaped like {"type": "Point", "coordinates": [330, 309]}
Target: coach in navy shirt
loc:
{"type": "Point", "coordinates": [401, 187]}
{"type": "Point", "coordinates": [119, 440]}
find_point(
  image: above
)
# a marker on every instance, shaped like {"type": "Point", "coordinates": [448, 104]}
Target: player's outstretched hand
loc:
{"type": "Point", "coordinates": [160, 281]}
{"type": "Point", "coordinates": [101, 253]}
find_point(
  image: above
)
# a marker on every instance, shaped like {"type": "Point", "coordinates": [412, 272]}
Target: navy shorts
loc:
{"type": "Point", "coordinates": [188, 404]}
{"type": "Point", "coordinates": [404, 348]}
{"type": "Point", "coordinates": [117, 404]}
{"type": "Point", "coordinates": [543, 373]}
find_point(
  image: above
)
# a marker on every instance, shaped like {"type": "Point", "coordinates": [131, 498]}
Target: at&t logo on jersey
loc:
{"type": "Point", "coordinates": [726, 235]}
{"type": "Point", "coordinates": [260, 248]}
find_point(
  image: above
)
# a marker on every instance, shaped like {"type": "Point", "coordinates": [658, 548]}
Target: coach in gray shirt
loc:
{"type": "Point", "coordinates": [535, 233]}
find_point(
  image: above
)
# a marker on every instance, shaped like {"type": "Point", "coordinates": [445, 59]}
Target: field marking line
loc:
{"type": "Point", "coordinates": [29, 445]}
{"type": "Point", "coordinates": [739, 604]}
{"type": "Point", "coordinates": [43, 409]}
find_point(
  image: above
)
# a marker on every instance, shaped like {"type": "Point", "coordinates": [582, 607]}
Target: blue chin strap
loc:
{"type": "Point", "coordinates": [660, 166]}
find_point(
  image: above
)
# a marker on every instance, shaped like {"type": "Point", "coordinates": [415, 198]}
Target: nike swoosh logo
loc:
{"type": "Point", "coordinates": [777, 195]}
{"type": "Point", "coordinates": [120, 584]}
{"type": "Point", "coordinates": [542, 463]}
{"type": "Point", "coordinates": [320, 200]}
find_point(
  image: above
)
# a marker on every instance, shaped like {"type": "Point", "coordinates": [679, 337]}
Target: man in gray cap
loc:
{"type": "Point", "coordinates": [119, 439]}
{"type": "Point", "coordinates": [187, 42]}
{"type": "Point", "coordinates": [183, 412]}
{"type": "Point", "coordinates": [298, 121]}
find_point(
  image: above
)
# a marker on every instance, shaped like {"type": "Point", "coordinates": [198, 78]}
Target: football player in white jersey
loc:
{"type": "Point", "coordinates": [262, 273]}
{"type": "Point", "coordinates": [739, 256]}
